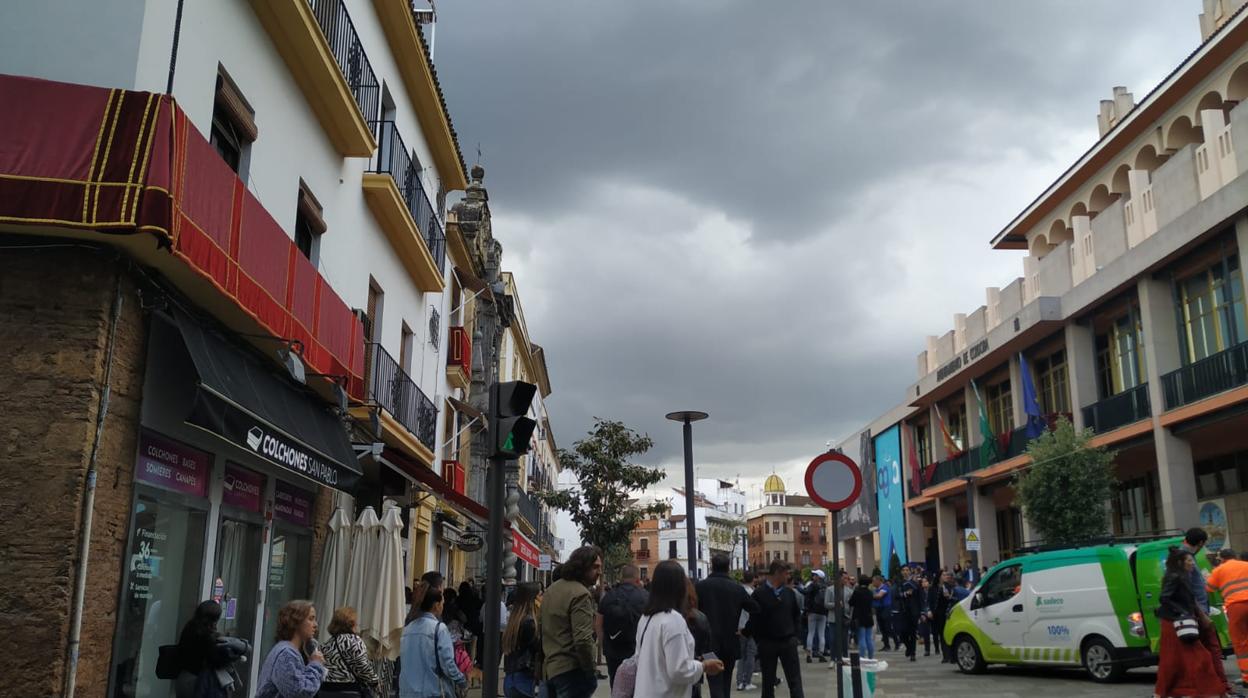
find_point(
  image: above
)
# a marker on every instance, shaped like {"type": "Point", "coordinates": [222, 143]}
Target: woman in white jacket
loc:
{"type": "Point", "coordinates": [666, 665]}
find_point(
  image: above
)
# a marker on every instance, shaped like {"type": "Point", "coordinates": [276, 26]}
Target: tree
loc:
{"type": "Point", "coordinates": [1066, 490]}
{"type": "Point", "coordinates": [603, 507]}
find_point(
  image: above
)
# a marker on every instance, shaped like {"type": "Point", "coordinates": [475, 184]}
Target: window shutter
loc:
{"type": "Point", "coordinates": [234, 105]}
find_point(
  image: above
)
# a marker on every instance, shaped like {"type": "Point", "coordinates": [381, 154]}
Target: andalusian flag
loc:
{"type": "Point", "coordinates": [988, 449]}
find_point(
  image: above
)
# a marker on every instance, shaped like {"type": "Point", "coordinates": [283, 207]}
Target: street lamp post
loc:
{"type": "Point", "coordinates": [970, 522]}
{"type": "Point", "coordinates": [687, 418]}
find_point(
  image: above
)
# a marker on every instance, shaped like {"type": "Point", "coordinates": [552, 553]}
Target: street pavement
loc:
{"type": "Point", "coordinates": [928, 677]}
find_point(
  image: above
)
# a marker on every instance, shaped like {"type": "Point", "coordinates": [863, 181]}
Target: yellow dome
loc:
{"type": "Point", "coordinates": [773, 484]}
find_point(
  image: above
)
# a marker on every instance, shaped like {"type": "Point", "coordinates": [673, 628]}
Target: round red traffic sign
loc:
{"type": "Point", "coordinates": [833, 481]}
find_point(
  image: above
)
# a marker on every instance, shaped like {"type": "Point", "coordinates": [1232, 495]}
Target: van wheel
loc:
{"type": "Point", "coordinates": [1098, 660]}
{"type": "Point", "coordinates": [966, 653]}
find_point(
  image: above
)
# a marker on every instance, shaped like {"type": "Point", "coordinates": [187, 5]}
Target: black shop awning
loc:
{"type": "Point", "coordinates": [242, 400]}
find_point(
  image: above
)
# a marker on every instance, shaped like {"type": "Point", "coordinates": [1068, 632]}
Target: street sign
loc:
{"type": "Point", "coordinates": [544, 563]}
{"type": "Point", "coordinates": [471, 542]}
{"type": "Point", "coordinates": [972, 539]}
{"type": "Point", "coordinates": [833, 481]}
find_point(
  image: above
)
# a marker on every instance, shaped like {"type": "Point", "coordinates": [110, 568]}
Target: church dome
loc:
{"type": "Point", "coordinates": [773, 484]}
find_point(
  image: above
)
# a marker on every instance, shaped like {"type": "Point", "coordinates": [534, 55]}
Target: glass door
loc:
{"type": "Point", "coordinates": [236, 578]}
{"type": "Point", "coordinates": [290, 563]}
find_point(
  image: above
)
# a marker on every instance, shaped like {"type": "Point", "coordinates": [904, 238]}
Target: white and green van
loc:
{"type": "Point", "coordinates": [1091, 606]}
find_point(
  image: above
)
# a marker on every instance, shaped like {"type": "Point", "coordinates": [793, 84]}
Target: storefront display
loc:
{"type": "Point", "coordinates": [290, 558]}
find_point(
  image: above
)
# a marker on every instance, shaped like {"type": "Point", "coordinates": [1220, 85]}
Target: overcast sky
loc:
{"type": "Point", "coordinates": [760, 209]}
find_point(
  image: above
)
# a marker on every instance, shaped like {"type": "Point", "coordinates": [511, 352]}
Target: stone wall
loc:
{"type": "Point", "coordinates": [55, 309]}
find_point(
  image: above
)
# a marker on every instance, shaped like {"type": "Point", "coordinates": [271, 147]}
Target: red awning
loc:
{"type": "Point", "coordinates": [433, 483]}
{"type": "Point", "coordinates": [524, 548]}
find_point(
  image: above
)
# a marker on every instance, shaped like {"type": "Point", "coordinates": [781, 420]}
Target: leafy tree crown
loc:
{"type": "Point", "coordinates": [1066, 490]}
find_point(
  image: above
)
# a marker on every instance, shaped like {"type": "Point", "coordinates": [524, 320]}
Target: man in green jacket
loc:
{"type": "Point", "coordinates": [567, 626]}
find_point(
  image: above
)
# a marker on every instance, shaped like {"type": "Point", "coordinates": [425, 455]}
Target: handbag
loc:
{"type": "Point", "coordinates": [167, 665]}
{"type": "Point", "coordinates": [1187, 628]}
{"type": "Point", "coordinates": [626, 675]}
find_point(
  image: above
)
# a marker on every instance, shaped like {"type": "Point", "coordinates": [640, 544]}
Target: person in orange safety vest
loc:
{"type": "Point", "coordinates": [1230, 579]}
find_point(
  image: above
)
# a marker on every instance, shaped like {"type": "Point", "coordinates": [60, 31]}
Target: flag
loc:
{"type": "Point", "coordinates": [951, 446]}
{"type": "Point", "coordinates": [988, 449]}
{"type": "Point", "coordinates": [1036, 423]}
{"type": "Point", "coordinates": [916, 468]}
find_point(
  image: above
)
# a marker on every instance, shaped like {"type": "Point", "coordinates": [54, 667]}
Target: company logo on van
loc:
{"type": "Point", "coordinates": [1050, 603]}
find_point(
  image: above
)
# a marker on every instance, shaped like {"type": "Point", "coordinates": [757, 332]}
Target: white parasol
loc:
{"type": "Point", "coordinates": [331, 585]}
{"type": "Point", "coordinates": [362, 575]}
{"type": "Point", "coordinates": [390, 606]}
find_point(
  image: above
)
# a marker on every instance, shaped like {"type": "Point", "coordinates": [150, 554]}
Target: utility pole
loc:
{"type": "Point", "coordinates": [688, 417]}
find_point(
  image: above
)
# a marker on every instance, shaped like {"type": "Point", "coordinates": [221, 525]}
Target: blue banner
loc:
{"type": "Point", "coordinates": [890, 497]}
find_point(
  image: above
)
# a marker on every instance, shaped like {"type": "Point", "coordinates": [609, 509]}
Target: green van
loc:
{"type": "Point", "coordinates": [1091, 606]}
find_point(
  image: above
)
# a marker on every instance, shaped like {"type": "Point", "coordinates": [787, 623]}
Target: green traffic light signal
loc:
{"type": "Point", "coordinates": [510, 428]}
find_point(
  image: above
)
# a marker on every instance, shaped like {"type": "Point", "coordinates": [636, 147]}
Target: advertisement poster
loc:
{"type": "Point", "coordinates": [242, 488]}
{"type": "Point", "coordinates": [171, 465]}
{"type": "Point", "coordinates": [1213, 519]}
{"type": "Point", "coordinates": [292, 504]}
{"type": "Point", "coordinates": [890, 497]}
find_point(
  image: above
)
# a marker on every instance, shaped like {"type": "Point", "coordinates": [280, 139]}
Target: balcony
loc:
{"type": "Point", "coordinates": [455, 475]}
{"type": "Point", "coordinates": [1211, 375]}
{"type": "Point", "coordinates": [391, 389]}
{"type": "Point", "coordinates": [318, 42]}
{"type": "Point", "coordinates": [459, 358]}
{"type": "Point", "coordinates": [393, 190]}
{"type": "Point", "coordinates": [1009, 445]}
{"type": "Point", "coordinates": [804, 537]}
{"type": "Point", "coordinates": [642, 554]}
{"type": "Point", "coordinates": [529, 509]}
{"type": "Point", "coordinates": [1120, 410]}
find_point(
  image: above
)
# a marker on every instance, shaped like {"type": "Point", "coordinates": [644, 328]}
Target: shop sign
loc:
{"type": "Point", "coordinates": [171, 465]}
{"type": "Point", "coordinates": [471, 542]}
{"type": "Point", "coordinates": [292, 504]}
{"type": "Point", "coordinates": [525, 550]}
{"type": "Point", "coordinates": [273, 445]}
{"type": "Point", "coordinates": [242, 488]}
{"type": "Point", "coordinates": [544, 563]}
{"type": "Point", "coordinates": [148, 546]}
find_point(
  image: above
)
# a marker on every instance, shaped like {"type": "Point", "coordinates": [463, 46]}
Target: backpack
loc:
{"type": "Point", "coordinates": [626, 675]}
{"type": "Point", "coordinates": [619, 622]}
{"type": "Point", "coordinates": [814, 600]}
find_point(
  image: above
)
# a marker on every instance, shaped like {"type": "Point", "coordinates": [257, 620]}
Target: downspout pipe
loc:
{"type": "Point", "coordinates": [88, 504]}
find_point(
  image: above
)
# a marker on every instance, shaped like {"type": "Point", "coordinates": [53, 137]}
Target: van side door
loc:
{"type": "Point", "coordinates": [999, 611]}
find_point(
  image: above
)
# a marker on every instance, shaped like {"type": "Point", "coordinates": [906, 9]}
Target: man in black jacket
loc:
{"type": "Point", "coordinates": [621, 609]}
{"type": "Point", "coordinates": [775, 629]}
{"type": "Point", "coordinates": [939, 601]}
{"type": "Point", "coordinates": [722, 599]}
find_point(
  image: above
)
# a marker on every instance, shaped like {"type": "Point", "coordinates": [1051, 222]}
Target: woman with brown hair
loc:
{"type": "Point", "coordinates": [1185, 667]}
{"type": "Point", "coordinates": [521, 644]}
{"type": "Point", "coordinates": [351, 675]}
{"type": "Point", "coordinates": [699, 627]}
{"type": "Point", "coordinates": [295, 668]}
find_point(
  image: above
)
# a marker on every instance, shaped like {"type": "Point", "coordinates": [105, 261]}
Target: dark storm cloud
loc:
{"type": "Point", "coordinates": [759, 209]}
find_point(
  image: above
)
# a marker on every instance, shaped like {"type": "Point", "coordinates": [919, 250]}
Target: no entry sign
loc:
{"type": "Point", "coordinates": [833, 481]}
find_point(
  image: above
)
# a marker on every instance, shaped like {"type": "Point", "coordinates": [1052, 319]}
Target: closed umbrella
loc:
{"type": "Point", "coordinates": [390, 604]}
{"type": "Point", "coordinates": [361, 577]}
{"type": "Point", "coordinates": [331, 585]}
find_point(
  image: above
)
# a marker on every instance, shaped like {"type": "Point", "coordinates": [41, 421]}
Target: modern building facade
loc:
{"type": "Point", "coordinates": [1130, 318]}
{"type": "Point", "coordinates": [236, 303]}
{"type": "Point", "coordinates": [787, 527]}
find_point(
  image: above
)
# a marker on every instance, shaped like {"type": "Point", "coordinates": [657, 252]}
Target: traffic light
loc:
{"type": "Point", "coordinates": [510, 427]}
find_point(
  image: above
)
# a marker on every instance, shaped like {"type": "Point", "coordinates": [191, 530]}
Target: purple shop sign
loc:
{"type": "Point", "coordinates": [171, 465]}
{"type": "Point", "coordinates": [292, 504]}
{"type": "Point", "coordinates": [242, 488]}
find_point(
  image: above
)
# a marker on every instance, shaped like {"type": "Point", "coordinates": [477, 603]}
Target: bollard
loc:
{"type": "Point", "coordinates": [855, 674]}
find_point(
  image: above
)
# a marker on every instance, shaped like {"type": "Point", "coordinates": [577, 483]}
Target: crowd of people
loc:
{"type": "Point", "coordinates": [671, 637]}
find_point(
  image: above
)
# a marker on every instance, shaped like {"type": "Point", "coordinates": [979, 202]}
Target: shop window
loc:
{"type": "Point", "coordinates": [1120, 355]}
{"type": "Point", "coordinates": [309, 224]}
{"type": "Point", "coordinates": [233, 123]}
{"type": "Point", "coordinates": [163, 566]}
{"type": "Point", "coordinates": [1211, 307]}
{"type": "Point", "coordinates": [1136, 506]}
{"type": "Point", "coordinates": [290, 557]}
{"type": "Point", "coordinates": [1052, 383]}
{"type": "Point", "coordinates": [1000, 408]}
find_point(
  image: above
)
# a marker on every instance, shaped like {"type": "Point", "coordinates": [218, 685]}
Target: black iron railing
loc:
{"type": "Point", "coordinates": [394, 391]}
{"type": "Point", "coordinates": [1211, 375]}
{"type": "Point", "coordinates": [395, 159]}
{"type": "Point", "coordinates": [961, 464]}
{"type": "Point", "coordinates": [529, 509]}
{"type": "Point", "coordinates": [1126, 407]}
{"type": "Point", "coordinates": [348, 52]}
